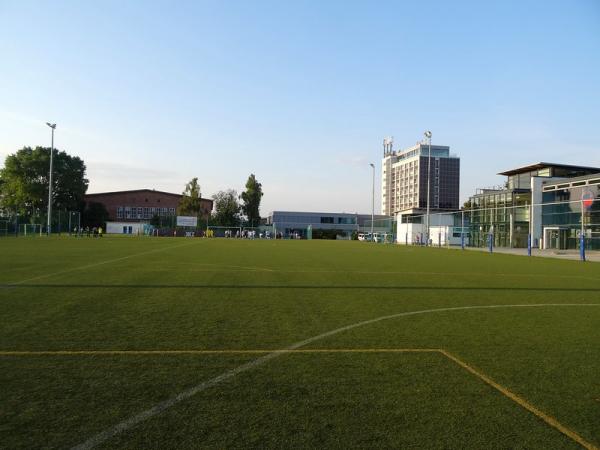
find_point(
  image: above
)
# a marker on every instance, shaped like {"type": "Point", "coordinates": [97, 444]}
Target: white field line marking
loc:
{"type": "Point", "coordinates": [166, 404]}
{"type": "Point", "coordinates": [88, 266]}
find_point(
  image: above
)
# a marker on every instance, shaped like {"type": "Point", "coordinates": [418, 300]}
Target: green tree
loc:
{"type": "Point", "coordinates": [95, 215]}
{"type": "Point", "coordinates": [155, 221]}
{"type": "Point", "coordinates": [159, 221]}
{"type": "Point", "coordinates": [24, 180]}
{"type": "Point", "coordinates": [251, 198]}
{"type": "Point", "coordinates": [227, 208]}
{"type": "Point", "coordinates": [191, 202]}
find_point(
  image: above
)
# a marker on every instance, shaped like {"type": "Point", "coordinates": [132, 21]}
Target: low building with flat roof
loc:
{"type": "Point", "coordinates": [290, 223]}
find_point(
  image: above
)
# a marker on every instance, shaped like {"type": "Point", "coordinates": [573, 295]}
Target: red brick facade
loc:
{"type": "Point", "coordinates": [140, 205]}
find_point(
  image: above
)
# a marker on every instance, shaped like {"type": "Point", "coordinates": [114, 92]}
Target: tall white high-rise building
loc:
{"type": "Point", "coordinates": [404, 179]}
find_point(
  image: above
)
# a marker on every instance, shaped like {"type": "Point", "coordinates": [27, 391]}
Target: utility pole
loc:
{"type": "Point", "coordinates": [428, 136]}
{"type": "Point", "coordinates": [582, 236]}
{"type": "Point", "coordinates": [48, 228]}
{"type": "Point", "coordinates": [372, 200]}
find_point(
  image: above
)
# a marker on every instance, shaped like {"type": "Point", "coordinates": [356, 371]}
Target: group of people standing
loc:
{"type": "Point", "coordinates": [87, 231]}
{"type": "Point", "coordinates": [243, 234]}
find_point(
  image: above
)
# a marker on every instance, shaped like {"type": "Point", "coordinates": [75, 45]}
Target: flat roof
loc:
{"type": "Point", "coordinates": [325, 213]}
{"type": "Point", "coordinates": [543, 165]}
{"type": "Point", "coordinates": [133, 191]}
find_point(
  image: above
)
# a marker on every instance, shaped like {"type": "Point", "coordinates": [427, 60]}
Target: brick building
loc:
{"type": "Point", "coordinates": [141, 205]}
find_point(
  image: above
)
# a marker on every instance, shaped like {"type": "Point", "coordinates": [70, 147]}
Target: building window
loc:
{"type": "Point", "coordinates": [326, 219]}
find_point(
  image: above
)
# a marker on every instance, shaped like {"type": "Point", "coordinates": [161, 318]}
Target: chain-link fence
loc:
{"type": "Point", "coordinates": [35, 223]}
{"type": "Point", "coordinates": [381, 230]}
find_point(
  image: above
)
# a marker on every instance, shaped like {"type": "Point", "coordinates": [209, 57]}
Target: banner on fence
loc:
{"type": "Point", "coordinates": [187, 221]}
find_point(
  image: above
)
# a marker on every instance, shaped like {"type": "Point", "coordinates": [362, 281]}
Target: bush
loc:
{"type": "Point", "coordinates": [327, 234]}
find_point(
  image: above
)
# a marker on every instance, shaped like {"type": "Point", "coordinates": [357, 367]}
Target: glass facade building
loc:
{"type": "Point", "coordinates": [562, 213]}
{"type": "Point", "coordinates": [507, 213]}
{"type": "Point", "coordinates": [501, 213]}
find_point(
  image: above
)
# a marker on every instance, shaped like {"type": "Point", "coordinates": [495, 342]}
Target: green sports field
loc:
{"type": "Point", "coordinates": [192, 343]}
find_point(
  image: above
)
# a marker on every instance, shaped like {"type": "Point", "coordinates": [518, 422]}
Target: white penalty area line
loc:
{"type": "Point", "coordinates": [96, 264]}
{"type": "Point", "coordinates": [159, 408]}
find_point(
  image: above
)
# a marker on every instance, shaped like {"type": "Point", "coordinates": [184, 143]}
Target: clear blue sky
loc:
{"type": "Point", "coordinates": [151, 94]}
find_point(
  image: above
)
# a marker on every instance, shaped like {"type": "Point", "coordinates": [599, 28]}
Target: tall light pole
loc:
{"type": "Point", "coordinates": [428, 136]}
{"type": "Point", "coordinates": [372, 200]}
{"type": "Point", "coordinates": [48, 228]}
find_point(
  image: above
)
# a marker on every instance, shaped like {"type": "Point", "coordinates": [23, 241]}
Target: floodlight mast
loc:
{"type": "Point", "coordinates": [48, 228]}
{"type": "Point", "coordinates": [372, 201]}
{"type": "Point", "coordinates": [428, 136]}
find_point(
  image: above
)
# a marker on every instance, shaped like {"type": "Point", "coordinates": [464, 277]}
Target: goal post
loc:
{"type": "Point", "coordinates": [4, 225]}
{"type": "Point", "coordinates": [31, 229]}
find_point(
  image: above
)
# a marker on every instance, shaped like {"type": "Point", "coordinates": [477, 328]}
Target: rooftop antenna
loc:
{"type": "Point", "coordinates": [388, 144]}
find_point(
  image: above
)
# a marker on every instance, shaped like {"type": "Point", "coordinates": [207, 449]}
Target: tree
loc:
{"type": "Point", "coordinates": [159, 221]}
{"type": "Point", "coordinates": [95, 215]}
{"type": "Point", "coordinates": [191, 202]}
{"type": "Point", "coordinates": [227, 208]}
{"type": "Point", "coordinates": [24, 180]}
{"type": "Point", "coordinates": [155, 221]}
{"type": "Point", "coordinates": [251, 198]}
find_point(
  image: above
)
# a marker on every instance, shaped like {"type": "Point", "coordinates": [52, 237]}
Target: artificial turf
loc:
{"type": "Point", "coordinates": [119, 293]}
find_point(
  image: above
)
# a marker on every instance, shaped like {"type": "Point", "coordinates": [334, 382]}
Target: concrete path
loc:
{"type": "Point", "coordinates": [590, 255]}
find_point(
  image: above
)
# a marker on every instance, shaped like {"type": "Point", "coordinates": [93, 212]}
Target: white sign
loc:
{"type": "Point", "coordinates": [187, 221]}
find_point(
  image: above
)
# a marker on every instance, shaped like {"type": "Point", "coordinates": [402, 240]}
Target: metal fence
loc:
{"type": "Point", "coordinates": [560, 225]}
{"type": "Point", "coordinates": [36, 223]}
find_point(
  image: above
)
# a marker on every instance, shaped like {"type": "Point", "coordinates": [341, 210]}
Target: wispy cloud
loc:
{"type": "Point", "coordinates": [116, 176]}
{"type": "Point", "coordinates": [355, 161]}
{"type": "Point", "coordinates": [127, 170]}
{"type": "Point", "coordinates": [32, 121]}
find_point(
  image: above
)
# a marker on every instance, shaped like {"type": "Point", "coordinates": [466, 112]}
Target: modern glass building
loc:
{"type": "Point", "coordinates": [507, 214]}
{"type": "Point", "coordinates": [562, 215]}
{"type": "Point", "coordinates": [503, 213]}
